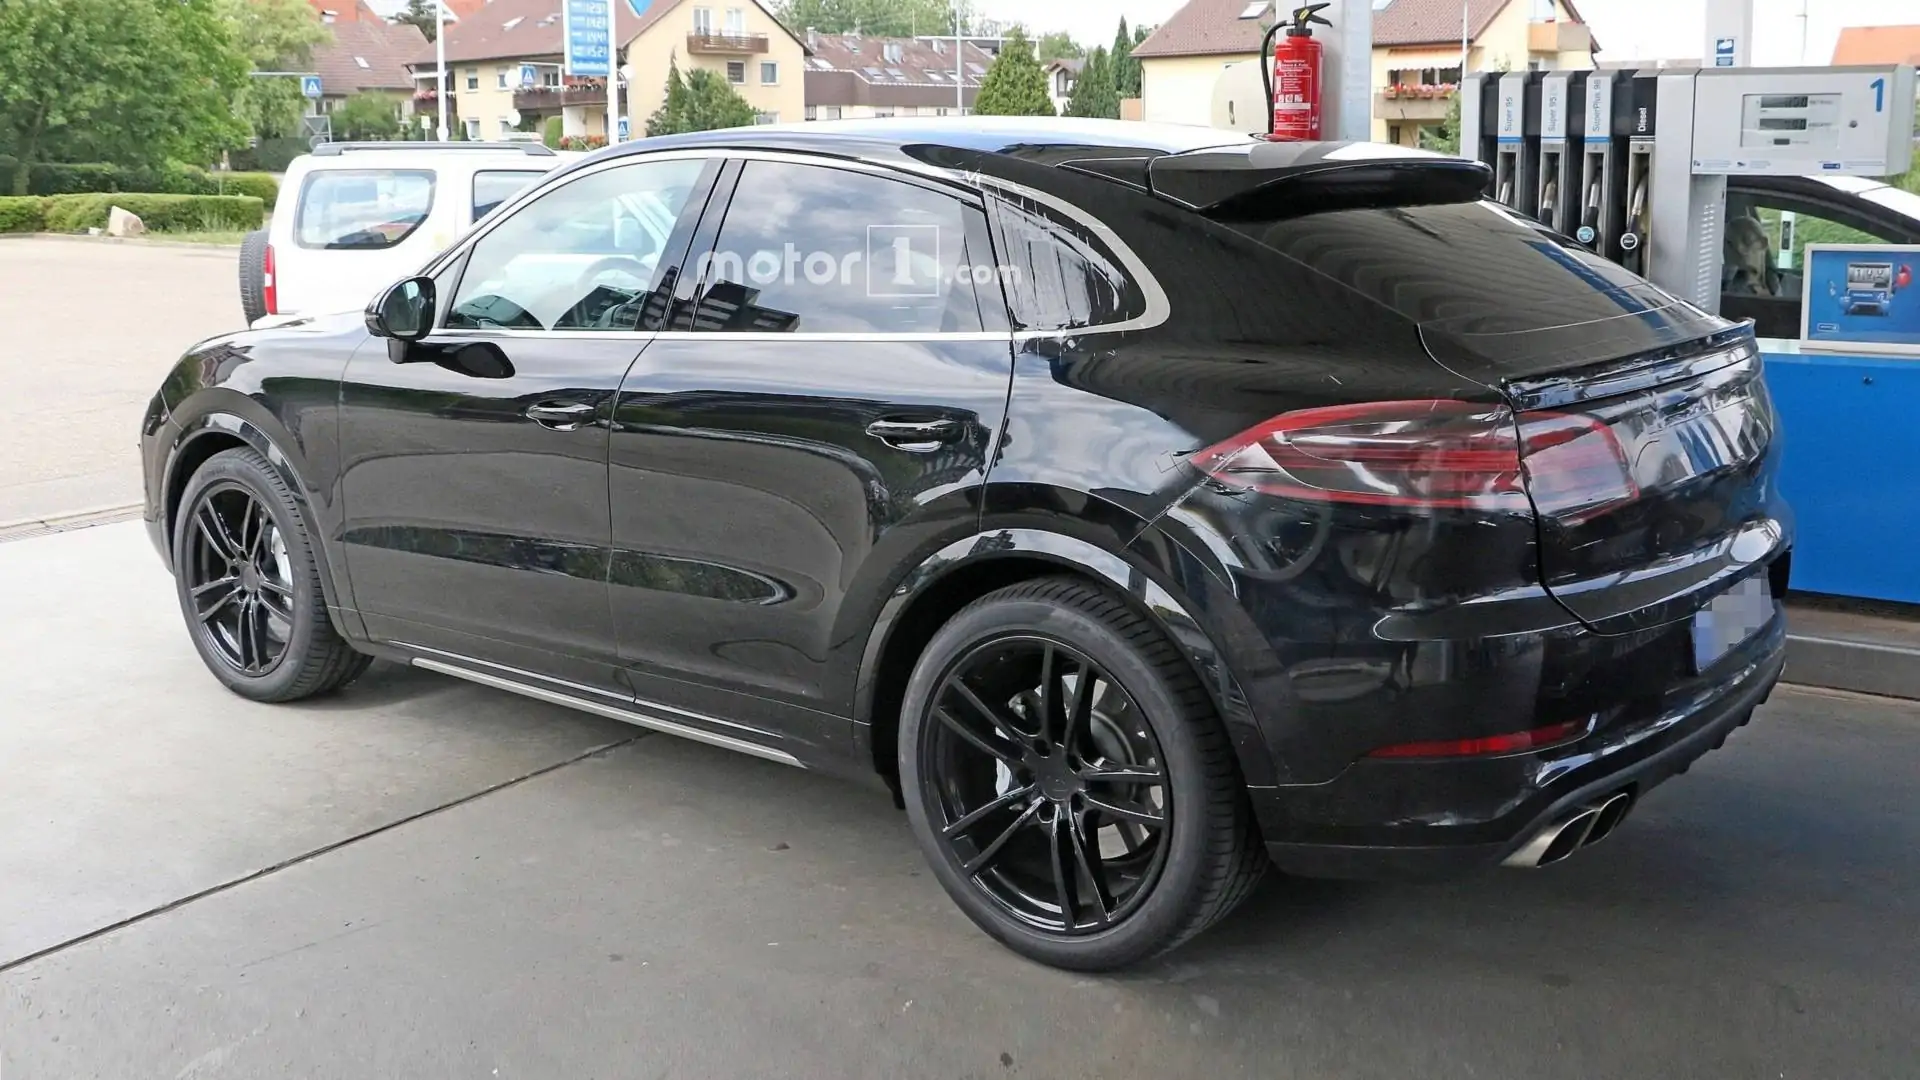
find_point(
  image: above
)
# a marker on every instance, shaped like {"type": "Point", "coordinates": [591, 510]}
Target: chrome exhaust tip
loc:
{"type": "Point", "coordinates": [1583, 826]}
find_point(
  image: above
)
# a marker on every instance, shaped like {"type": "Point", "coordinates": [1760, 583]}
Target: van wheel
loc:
{"type": "Point", "coordinates": [253, 275]}
{"type": "Point", "coordinates": [1065, 774]}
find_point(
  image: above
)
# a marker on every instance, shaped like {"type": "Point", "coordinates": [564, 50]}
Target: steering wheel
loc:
{"type": "Point", "coordinates": [639, 268]}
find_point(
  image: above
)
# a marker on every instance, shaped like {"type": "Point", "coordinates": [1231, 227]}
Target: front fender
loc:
{"type": "Point", "coordinates": [1142, 573]}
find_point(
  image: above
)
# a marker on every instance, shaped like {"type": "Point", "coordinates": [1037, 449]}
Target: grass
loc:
{"type": "Point", "coordinates": [217, 238]}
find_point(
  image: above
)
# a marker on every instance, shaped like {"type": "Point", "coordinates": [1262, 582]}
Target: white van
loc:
{"type": "Point", "coordinates": [353, 218]}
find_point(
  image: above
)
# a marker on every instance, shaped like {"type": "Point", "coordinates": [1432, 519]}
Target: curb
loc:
{"type": "Point", "coordinates": [141, 241]}
{"type": "Point", "coordinates": [59, 523]}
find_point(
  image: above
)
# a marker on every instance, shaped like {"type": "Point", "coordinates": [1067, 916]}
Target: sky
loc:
{"type": "Point", "coordinates": [1629, 29]}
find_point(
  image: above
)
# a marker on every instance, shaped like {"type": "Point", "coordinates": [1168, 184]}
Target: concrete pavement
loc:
{"type": "Point", "coordinates": [666, 909]}
{"type": "Point", "coordinates": [93, 328]}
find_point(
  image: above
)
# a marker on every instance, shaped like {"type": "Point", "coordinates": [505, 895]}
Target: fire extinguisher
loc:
{"type": "Point", "coordinates": [1294, 82]}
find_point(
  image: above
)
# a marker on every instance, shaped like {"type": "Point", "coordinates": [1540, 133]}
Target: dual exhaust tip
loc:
{"type": "Point", "coordinates": [1587, 825]}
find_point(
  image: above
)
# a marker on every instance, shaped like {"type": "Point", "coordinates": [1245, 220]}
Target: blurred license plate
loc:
{"type": "Point", "coordinates": [1732, 617]}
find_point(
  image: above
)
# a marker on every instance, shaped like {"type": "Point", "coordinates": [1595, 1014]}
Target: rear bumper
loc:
{"type": "Point", "coordinates": [1413, 820]}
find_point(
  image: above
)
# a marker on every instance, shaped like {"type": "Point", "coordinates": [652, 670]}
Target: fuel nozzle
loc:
{"type": "Point", "coordinates": [1304, 15]}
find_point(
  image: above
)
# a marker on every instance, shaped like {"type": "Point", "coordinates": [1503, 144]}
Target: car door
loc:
{"type": "Point", "coordinates": [475, 485]}
{"type": "Point", "coordinates": [817, 422]}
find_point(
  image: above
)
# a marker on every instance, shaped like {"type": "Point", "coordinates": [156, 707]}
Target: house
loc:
{"type": "Point", "coordinates": [850, 76]}
{"type": "Point", "coordinates": [367, 56]}
{"type": "Point", "coordinates": [505, 64]}
{"type": "Point", "coordinates": [1860, 45]}
{"type": "Point", "coordinates": [1062, 74]}
{"type": "Point", "coordinates": [1416, 59]}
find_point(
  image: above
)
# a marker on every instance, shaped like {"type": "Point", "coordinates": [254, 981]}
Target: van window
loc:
{"type": "Point", "coordinates": [362, 208]}
{"type": "Point", "coordinates": [491, 187]}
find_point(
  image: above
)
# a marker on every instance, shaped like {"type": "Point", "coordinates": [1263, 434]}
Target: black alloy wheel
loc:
{"type": "Point", "coordinates": [1068, 780]}
{"type": "Point", "coordinates": [240, 578]}
{"type": "Point", "coordinates": [1049, 786]}
{"type": "Point", "coordinates": [248, 581]}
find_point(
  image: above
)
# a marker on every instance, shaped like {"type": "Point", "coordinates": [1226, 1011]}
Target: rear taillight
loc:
{"type": "Point", "coordinates": [1431, 454]}
{"type": "Point", "coordinates": [1514, 742]}
{"type": "Point", "coordinates": [268, 288]}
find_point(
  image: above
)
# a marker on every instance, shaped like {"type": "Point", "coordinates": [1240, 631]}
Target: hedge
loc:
{"type": "Point", "coordinates": [169, 179]}
{"type": "Point", "coordinates": [160, 213]}
{"type": "Point", "coordinates": [22, 214]}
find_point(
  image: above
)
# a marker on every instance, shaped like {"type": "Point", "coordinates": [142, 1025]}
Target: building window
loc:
{"type": "Point", "coordinates": [831, 112]}
{"type": "Point", "coordinates": [940, 112]}
{"type": "Point", "coordinates": [550, 78]}
{"type": "Point", "coordinates": [506, 128]}
{"type": "Point", "coordinates": [883, 112]}
{"type": "Point", "coordinates": [703, 21]}
{"type": "Point", "coordinates": [473, 129]}
{"type": "Point", "coordinates": [473, 78]}
{"type": "Point", "coordinates": [737, 72]}
{"type": "Point", "coordinates": [766, 118]}
{"type": "Point", "coordinates": [769, 74]}
{"type": "Point", "coordinates": [736, 22]}
{"type": "Point", "coordinates": [813, 112]}
{"type": "Point", "coordinates": [500, 78]}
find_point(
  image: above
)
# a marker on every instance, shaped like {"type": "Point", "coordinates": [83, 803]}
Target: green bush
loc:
{"type": "Point", "coordinates": [270, 155]}
{"type": "Point", "coordinates": [259, 185]}
{"type": "Point", "coordinates": [22, 213]}
{"type": "Point", "coordinates": [160, 213]}
{"type": "Point", "coordinates": [556, 131]}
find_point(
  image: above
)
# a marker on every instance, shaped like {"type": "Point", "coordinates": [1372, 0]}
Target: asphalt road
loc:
{"type": "Point", "coordinates": [93, 326]}
{"type": "Point", "coordinates": [420, 878]}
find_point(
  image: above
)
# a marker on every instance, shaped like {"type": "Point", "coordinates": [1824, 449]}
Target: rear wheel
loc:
{"type": "Point", "coordinates": [1067, 778]}
{"type": "Point", "coordinates": [249, 586]}
{"type": "Point", "coordinates": [253, 275]}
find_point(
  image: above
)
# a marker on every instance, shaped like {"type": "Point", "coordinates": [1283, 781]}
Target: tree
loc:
{"type": "Point", "coordinates": [422, 16]}
{"type": "Point", "coordinates": [1094, 94]}
{"type": "Point", "coordinates": [132, 82]}
{"type": "Point", "coordinates": [1015, 85]}
{"type": "Point", "coordinates": [878, 18]}
{"type": "Point", "coordinates": [1444, 139]}
{"type": "Point", "coordinates": [276, 35]}
{"type": "Point", "coordinates": [700, 101]}
{"type": "Point", "coordinates": [367, 117]}
{"type": "Point", "coordinates": [1060, 45]}
{"type": "Point", "coordinates": [1126, 70]}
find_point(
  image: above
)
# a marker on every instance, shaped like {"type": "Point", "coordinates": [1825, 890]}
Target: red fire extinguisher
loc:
{"type": "Point", "coordinates": [1295, 85]}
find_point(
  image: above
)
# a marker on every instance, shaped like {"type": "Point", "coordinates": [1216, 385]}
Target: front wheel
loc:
{"type": "Point", "coordinates": [1068, 780]}
{"type": "Point", "coordinates": [249, 586]}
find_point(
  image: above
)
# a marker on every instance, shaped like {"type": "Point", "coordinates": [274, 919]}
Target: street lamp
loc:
{"type": "Point", "coordinates": [440, 61]}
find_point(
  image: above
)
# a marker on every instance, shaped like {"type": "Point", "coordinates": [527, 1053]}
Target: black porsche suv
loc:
{"type": "Point", "coordinates": [1142, 506]}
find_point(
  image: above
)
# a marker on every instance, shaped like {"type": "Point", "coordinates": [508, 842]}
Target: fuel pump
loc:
{"type": "Point", "coordinates": [1517, 138]}
{"type": "Point", "coordinates": [1637, 110]}
{"type": "Point", "coordinates": [1603, 165]}
{"type": "Point", "coordinates": [1479, 93]}
{"type": "Point", "coordinates": [1562, 96]}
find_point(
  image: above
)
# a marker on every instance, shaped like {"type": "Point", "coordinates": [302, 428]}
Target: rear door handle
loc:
{"type": "Point", "coordinates": [561, 415]}
{"type": "Point", "coordinates": [915, 434]}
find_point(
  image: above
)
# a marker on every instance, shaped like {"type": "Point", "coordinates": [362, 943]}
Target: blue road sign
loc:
{"type": "Point", "coordinates": [1723, 52]}
{"type": "Point", "coordinates": [589, 37]}
{"type": "Point", "coordinates": [623, 129]}
{"type": "Point", "coordinates": [639, 6]}
{"type": "Point", "coordinates": [528, 75]}
{"type": "Point", "coordinates": [310, 86]}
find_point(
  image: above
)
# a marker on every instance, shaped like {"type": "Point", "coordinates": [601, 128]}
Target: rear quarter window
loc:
{"type": "Point", "coordinates": [364, 209]}
{"type": "Point", "coordinates": [1060, 276]}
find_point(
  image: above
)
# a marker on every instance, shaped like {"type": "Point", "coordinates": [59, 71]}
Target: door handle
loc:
{"type": "Point", "coordinates": [918, 435]}
{"type": "Point", "coordinates": [561, 415]}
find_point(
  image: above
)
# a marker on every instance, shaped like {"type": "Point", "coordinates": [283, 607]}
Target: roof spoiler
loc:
{"type": "Point", "coordinates": [1270, 181]}
{"type": "Point", "coordinates": [531, 149]}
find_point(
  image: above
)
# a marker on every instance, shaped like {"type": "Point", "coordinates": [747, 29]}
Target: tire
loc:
{"type": "Point", "coordinates": [253, 275]}
{"type": "Point", "coordinates": [1207, 849]}
{"type": "Point", "coordinates": [280, 607]}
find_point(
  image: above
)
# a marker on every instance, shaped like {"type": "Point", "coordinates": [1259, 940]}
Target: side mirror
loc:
{"type": "Point", "coordinates": [404, 312]}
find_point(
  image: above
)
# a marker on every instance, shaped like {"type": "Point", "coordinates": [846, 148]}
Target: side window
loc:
{"type": "Point", "coordinates": [1764, 254]}
{"type": "Point", "coordinates": [584, 256]}
{"type": "Point", "coordinates": [809, 248]}
{"type": "Point", "coordinates": [491, 187]}
{"type": "Point", "coordinates": [1060, 276]}
{"type": "Point", "coordinates": [362, 208]}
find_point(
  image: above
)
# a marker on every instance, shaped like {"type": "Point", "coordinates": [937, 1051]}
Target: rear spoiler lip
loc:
{"type": "Point", "coordinates": [1248, 194]}
{"type": "Point", "coordinates": [1634, 374]}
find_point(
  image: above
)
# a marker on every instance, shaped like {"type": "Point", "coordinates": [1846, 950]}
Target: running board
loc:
{"type": "Point", "coordinates": [611, 712]}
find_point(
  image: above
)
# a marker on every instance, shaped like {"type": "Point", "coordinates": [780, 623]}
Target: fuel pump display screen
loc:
{"type": "Point", "coordinates": [1808, 120]}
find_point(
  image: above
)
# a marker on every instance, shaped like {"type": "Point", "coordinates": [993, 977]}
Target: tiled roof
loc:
{"type": "Point", "coordinates": [366, 54]}
{"type": "Point", "coordinates": [846, 69]}
{"type": "Point", "coordinates": [1877, 45]}
{"type": "Point", "coordinates": [1214, 27]}
{"type": "Point", "coordinates": [511, 29]}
